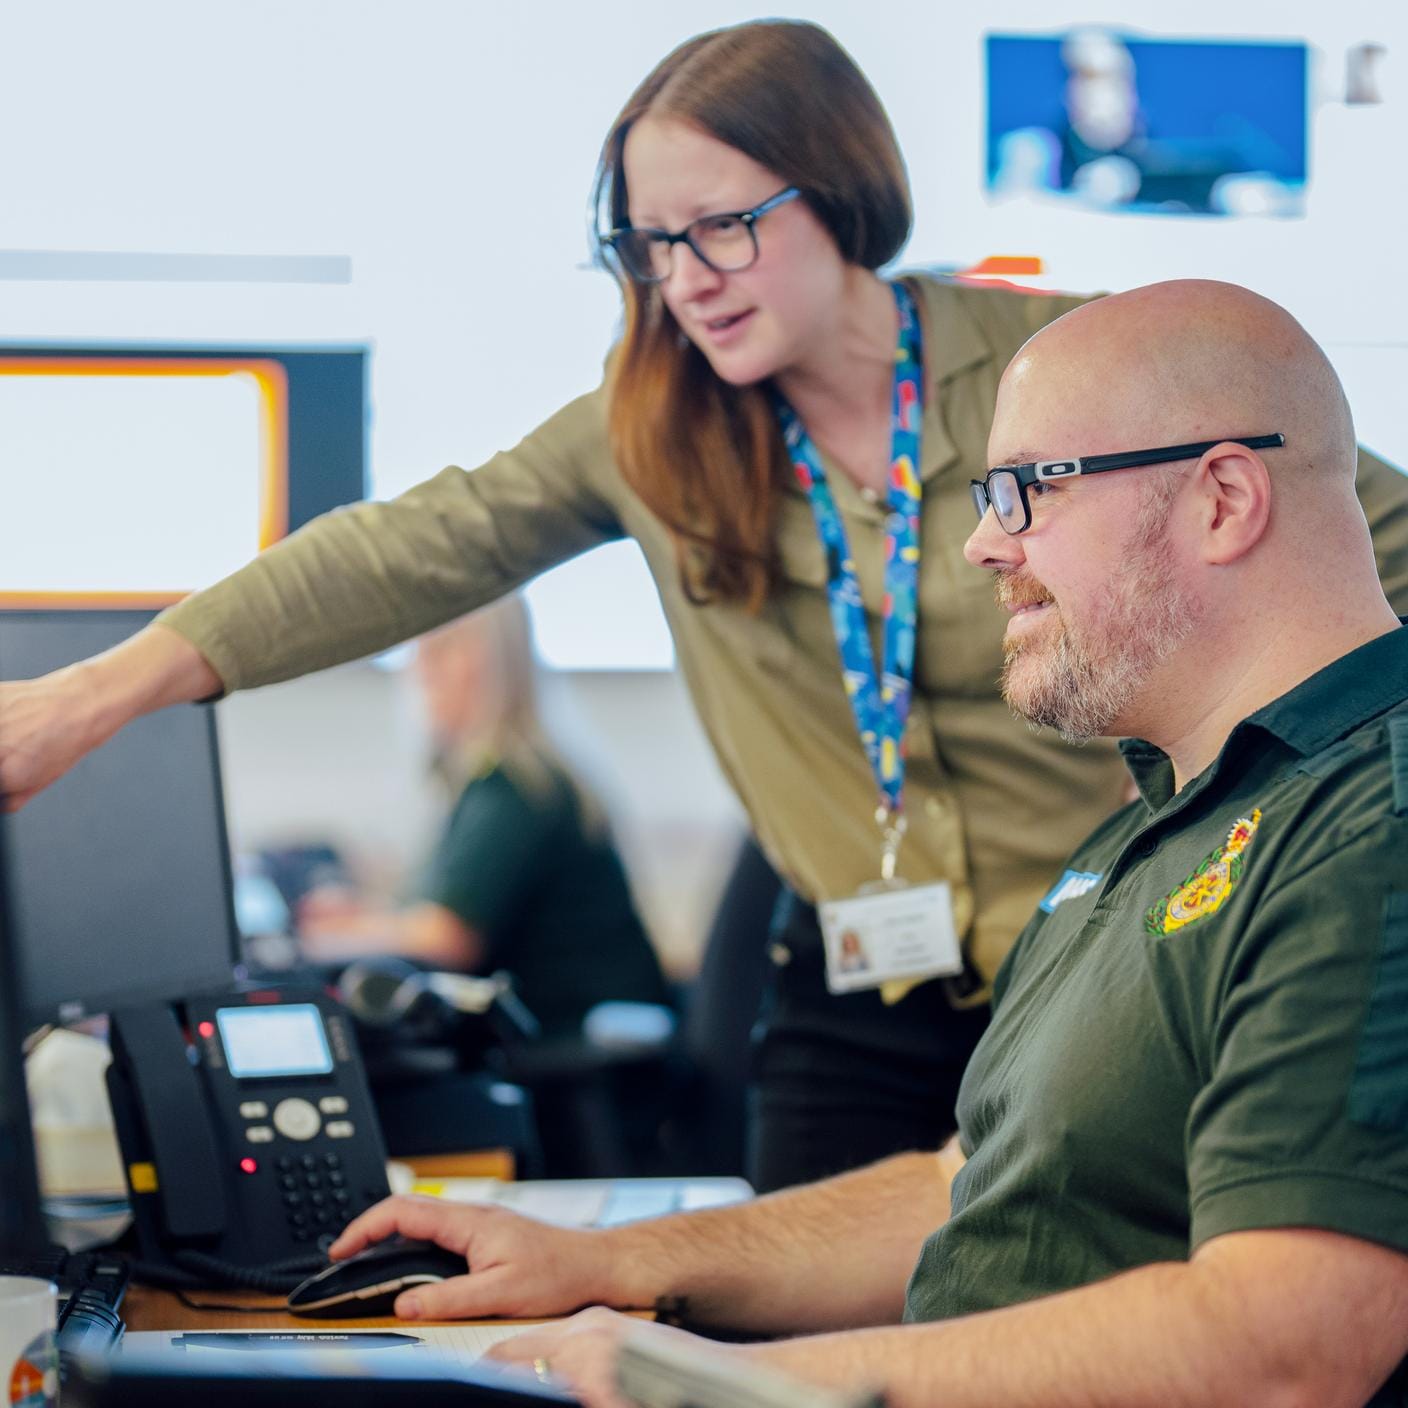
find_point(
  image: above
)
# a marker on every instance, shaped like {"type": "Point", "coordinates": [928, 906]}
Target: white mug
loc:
{"type": "Point", "coordinates": [29, 1361]}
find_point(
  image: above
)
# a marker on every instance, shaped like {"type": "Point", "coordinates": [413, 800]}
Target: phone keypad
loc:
{"type": "Point", "coordinates": [316, 1200]}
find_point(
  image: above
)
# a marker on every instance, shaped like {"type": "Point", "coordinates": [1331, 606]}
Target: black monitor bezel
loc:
{"type": "Point", "coordinates": [99, 1001]}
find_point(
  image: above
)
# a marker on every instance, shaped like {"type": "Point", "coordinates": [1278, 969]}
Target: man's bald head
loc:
{"type": "Point", "coordinates": [1172, 363]}
{"type": "Point", "coordinates": [1131, 592]}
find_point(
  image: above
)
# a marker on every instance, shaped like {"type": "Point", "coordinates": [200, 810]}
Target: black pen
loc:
{"type": "Point", "coordinates": [295, 1339]}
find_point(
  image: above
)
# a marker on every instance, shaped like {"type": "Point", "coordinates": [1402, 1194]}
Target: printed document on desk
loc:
{"type": "Point", "coordinates": [592, 1202]}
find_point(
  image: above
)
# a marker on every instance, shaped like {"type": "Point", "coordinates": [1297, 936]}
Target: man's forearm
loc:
{"type": "Point", "coordinates": [825, 1256]}
{"type": "Point", "coordinates": [1215, 1334]}
{"type": "Point", "coordinates": [1127, 1343]}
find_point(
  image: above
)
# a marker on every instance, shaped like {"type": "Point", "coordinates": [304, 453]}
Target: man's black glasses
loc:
{"type": "Point", "coordinates": [726, 243]}
{"type": "Point", "coordinates": [1004, 490]}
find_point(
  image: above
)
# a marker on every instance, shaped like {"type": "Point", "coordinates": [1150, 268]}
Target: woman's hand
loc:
{"type": "Point", "coordinates": [518, 1267]}
{"type": "Point", "coordinates": [48, 724]}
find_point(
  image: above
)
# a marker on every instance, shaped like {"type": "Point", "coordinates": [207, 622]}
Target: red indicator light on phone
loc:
{"type": "Point", "coordinates": [206, 1029]}
{"type": "Point", "coordinates": [248, 1165]}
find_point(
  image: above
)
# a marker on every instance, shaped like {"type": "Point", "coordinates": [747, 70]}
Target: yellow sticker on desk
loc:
{"type": "Point", "coordinates": [142, 1177]}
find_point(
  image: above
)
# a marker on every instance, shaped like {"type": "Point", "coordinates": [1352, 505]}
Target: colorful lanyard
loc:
{"type": "Point", "coordinates": [880, 704]}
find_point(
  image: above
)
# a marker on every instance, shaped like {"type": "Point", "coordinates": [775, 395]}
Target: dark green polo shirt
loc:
{"type": "Point", "coordinates": [1204, 1029]}
{"type": "Point", "coordinates": [548, 897]}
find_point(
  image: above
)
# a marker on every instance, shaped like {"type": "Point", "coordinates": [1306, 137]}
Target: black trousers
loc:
{"type": "Point", "coordinates": [841, 1081]}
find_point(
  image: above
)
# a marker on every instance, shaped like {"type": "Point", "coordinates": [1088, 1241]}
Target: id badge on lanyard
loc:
{"type": "Point", "coordinates": [889, 932]}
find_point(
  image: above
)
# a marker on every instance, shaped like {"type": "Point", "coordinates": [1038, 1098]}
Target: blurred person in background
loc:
{"type": "Point", "coordinates": [789, 436]}
{"type": "Point", "coordinates": [524, 878]}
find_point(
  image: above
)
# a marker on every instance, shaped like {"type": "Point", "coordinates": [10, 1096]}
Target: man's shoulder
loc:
{"type": "Point", "coordinates": [1352, 787]}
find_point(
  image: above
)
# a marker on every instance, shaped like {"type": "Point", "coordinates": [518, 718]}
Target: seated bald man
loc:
{"type": "Point", "coordinates": [1181, 1176]}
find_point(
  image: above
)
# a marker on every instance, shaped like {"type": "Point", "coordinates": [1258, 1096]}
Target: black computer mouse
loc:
{"type": "Point", "coordinates": [369, 1282]}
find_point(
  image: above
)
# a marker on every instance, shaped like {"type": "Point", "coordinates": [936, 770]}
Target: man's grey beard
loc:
{"type": "Point", "coordinates": [1085, 679]}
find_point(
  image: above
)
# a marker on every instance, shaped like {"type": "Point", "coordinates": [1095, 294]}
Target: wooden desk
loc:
{"type": "Point", "coordinates": [146, 1308]}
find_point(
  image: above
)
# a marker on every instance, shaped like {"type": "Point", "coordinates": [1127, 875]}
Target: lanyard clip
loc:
{"type": "Point", "coordinates": [892, 827]}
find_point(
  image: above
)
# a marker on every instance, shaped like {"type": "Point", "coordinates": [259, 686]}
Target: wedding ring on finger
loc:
{"type": "Point", "coordinates": [542, 1370]}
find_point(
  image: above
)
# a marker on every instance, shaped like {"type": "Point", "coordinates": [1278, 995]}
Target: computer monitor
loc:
{"type": "Point", "coordinates": [120, 884]}
{"type": "Point", "coordinates": [187, 459]}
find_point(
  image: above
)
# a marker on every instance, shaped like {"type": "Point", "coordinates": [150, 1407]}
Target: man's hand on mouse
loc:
{"type": "Point", "coordinates": [517, 1267]}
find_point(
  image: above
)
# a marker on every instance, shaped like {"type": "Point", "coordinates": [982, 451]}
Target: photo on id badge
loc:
{"type": "Point", "coordinates": [851, 955]}
{"type": "Point", "coordinates": [893, 932]}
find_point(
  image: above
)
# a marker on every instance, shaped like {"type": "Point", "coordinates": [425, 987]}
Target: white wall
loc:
{"type": "Point", "coordinates": [447, 148]}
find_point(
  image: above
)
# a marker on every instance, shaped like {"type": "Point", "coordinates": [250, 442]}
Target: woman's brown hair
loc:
{"type": "Point", "coordinates": [704, 456]}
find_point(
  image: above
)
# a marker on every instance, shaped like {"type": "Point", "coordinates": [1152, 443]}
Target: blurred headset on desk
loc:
{"type": "Point", "coordinates": [393, 997]}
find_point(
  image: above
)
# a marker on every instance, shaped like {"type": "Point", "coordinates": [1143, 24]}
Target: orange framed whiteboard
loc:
{"type": "Point", "coordinates": [130, 481]}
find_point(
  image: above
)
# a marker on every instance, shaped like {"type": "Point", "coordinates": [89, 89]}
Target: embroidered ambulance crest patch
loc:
{"type": "Point", "coordinates": [1206, 890]}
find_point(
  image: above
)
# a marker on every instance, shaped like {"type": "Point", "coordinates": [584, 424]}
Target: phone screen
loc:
{"type": "Point", "coordinates": [287, 1040]}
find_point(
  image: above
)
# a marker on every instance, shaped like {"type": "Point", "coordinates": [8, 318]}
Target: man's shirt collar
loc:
{"type": "Point", "coordinates": [1335, 701]}
{"type": "Point", "coordinates": [1319, 711]}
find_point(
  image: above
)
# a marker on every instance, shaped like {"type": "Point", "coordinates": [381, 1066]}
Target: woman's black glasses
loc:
{"type": "Point", "coordinates": [726, 243]}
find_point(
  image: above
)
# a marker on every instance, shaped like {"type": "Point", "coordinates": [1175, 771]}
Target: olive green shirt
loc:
{"type": "Point", "coordinates": [1204, 1028]}
{"type": "Point", "coordinates": [992, 805]}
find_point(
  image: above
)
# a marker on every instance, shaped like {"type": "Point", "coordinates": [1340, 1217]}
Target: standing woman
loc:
{"type": "Point", "coordinates": [790, 438]}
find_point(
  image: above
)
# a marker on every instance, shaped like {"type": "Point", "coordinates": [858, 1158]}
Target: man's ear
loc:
{"type": "Point", "coordinates": [1234, 492]}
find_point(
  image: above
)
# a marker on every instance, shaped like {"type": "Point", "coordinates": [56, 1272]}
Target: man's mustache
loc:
{"type": "Point", "coordinates": [1017, 589]}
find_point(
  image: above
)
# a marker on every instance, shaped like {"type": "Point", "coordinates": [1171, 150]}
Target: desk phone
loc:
{"type": "Point", "coordinates": [247, 1131]}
